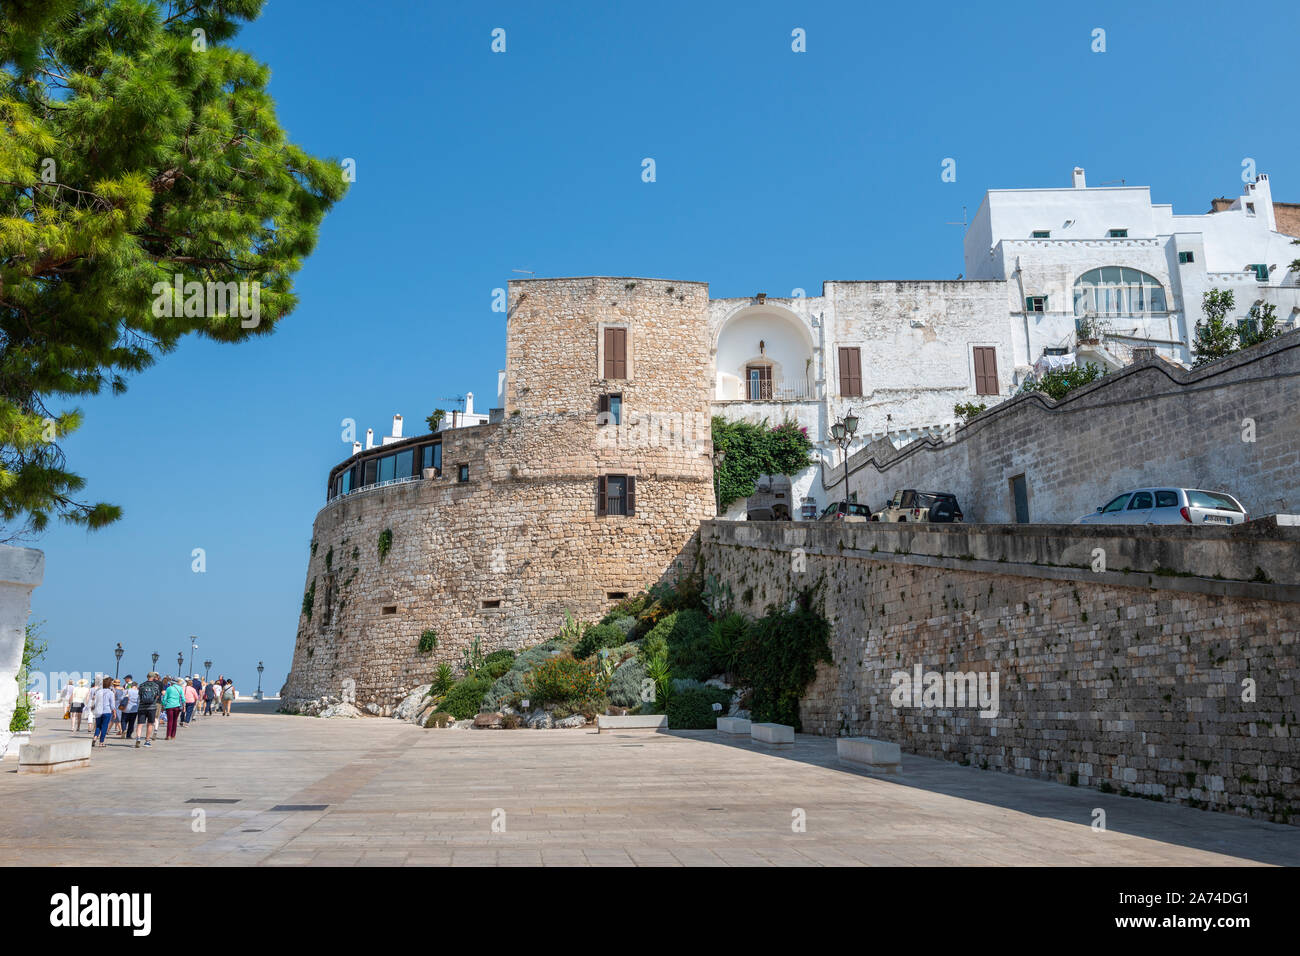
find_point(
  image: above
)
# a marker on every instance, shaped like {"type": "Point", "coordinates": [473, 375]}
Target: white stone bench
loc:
{"type": "Point", "coordinates": [733, 725]}
{"type": "Point", "coordinates": [772, 735]}
{"type": "Point", "coordinates": [879, 755]}
{"type": "Point", "coordinates": [632, 722]}
{"type": "Point", "coordinates": [54, 757]}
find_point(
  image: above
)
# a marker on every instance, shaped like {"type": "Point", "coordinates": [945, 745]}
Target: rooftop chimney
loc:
{"type": "Point", "coordinates": [397, 426]}
{"type": "Point", "coordinates": [370, 438]}
{"type": "Point", "coordinates": [356, 447]}
{"type": "Point", "coordinates": [469, 403]}
{"type": "Point", "coordinates": [1078, 181]}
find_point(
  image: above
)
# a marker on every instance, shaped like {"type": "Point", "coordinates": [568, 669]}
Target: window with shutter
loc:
{"type": "Point", "coordinates": [631, 496]}
{"type": "Point", "coordinates": [986, 371]}
{"type": "Point", "coordinates": [850, 372]}
{"type": "Point", "coordinates": [615, 353]}
{"type": "Point", "coordinates": [600, 495]}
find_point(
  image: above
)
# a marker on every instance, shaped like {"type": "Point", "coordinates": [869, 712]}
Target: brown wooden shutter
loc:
{"type": "Point", "coordinates": [600, 495]}
{"type": "Point", "coordinates": [602, 411]}
{"type": "Point", "coordinates": [986, 371]}
{"type": "Point", "coordinates": [850, 372]}
{"type": "Point", "coordinates": [631, 495]}
{"type": "Point", "coordinates": [616, 353]}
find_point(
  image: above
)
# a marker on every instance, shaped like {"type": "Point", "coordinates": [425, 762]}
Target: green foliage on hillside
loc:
{"type": "Point", "coordinates": [754, 450]}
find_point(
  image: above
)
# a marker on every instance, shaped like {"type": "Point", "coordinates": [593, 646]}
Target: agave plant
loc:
{"type": "Point", "coordinates": [571, 630]}
{"type": "Point", "coordinates": [717, 596]}
{"type": "Point", "coordinates": [442, 680]}
{"type": "Point", "coordinates": [656, 669]}
{"type": "Point", "coordinates": [472, 658]}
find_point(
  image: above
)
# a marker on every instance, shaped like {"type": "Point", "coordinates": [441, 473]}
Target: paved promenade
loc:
{"type": "Point", "coordinates": [299, 790]}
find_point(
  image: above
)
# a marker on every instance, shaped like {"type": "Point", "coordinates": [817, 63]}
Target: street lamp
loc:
{"type": "Point", "coordinates": [842, 433]}
{"type": "Point", "coordinates": [194, 644]}
{"type": "Point", "coordinates": [155, 662]}
{"type": "Point", "coordinates": [180, 662]}
{"type": "Point", "coordinates": [207, 666]}
{"type": "Point", "coordinates": [118, 654]}
{"type": "Point", "coordinates": [259, 681]}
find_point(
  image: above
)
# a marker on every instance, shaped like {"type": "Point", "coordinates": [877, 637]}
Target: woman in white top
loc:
{"type": "Point", "coordinates": [77, 703]}
{"type": "Point", "coordinates": [105, 709]}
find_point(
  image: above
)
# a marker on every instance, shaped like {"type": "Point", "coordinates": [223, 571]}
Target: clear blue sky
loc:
{"type": "Point", "coordinates": [775, 170]}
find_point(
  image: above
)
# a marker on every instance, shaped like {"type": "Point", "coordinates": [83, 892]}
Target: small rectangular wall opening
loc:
{"type": "Point", "coordinates": [615, 595]}
{"type": "Point", "coordinates": [491, 604]}
{"type": "Point", "coordinates": [389, 609]}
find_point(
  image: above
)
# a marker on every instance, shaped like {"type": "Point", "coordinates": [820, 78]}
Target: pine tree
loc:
{"type": "Point", "coordinates": [140, 160]}
{"type": "Point", "coordinates": [1214, 337]}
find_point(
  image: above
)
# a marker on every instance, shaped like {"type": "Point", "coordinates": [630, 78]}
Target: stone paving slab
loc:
{"type": "Point", "coordinates": [399, 795]}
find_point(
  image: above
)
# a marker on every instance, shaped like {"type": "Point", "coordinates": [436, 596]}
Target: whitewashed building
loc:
{"type": "Point", "coordinates": [1106, 263]}
{"type": "Point", "coordinates": [1088, 271]}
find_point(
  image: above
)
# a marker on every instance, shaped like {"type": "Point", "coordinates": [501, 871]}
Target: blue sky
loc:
{"type": "Point", "coordinates": [775, 170]}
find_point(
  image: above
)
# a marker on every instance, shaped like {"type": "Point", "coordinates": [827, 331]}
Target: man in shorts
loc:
{"type": "Point", "coordinates": [150, 695]}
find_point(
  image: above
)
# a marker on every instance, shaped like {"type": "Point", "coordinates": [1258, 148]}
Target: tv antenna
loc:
{"type": "Point", "coordinates": [963, 219]}
{"type": "Point", "coordinates": [458, 398]}
{"type": "Point", "coordinates": [527, 272]}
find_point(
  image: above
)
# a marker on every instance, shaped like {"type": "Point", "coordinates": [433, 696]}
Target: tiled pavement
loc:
{"type": "Point", "coordinates": [395, 794]}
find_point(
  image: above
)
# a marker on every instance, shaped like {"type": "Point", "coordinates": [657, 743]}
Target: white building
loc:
{"type": "Point", "coordinates": [1107, 262]}
{"type": "Point", "coordinates": [1046, 268]}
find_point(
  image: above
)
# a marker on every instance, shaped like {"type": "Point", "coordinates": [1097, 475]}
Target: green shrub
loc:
{"type": "Point", "coordinates": [778, 659]}
{"type": "Point", "coordinates": [626, 624]}
{"type": "Point", "coordinates": [598, 637]}
{"type": "Point", "coordinates": [590, 706]}
{"type": "Point", "coordinates": [692, 708]}
{"type": "Point", "coordinates": [651, 647]}
{"type": "Point", "coordinates": [628, 607]}
{"type": "Point", "coordinates": [686, 635]}
{"type": "Point", "coordinates": [465, 699]}
{"type": "Point", "coordinates": [563, 678]}
{"type": "Point", "coordinates": [438, 718]}
{"type": "Point", "coordinates": [625, 685]}
{"type": "Point", "coordinates": [495, 668]}
{"type": "Point", "coordinates": [509, 686]}
{"type": "Point", "coordinates": [428, 641]}
{"type": "Point", "coordinates": [725, 636]}
{"type": "Point", "coordinates": [503, 655]}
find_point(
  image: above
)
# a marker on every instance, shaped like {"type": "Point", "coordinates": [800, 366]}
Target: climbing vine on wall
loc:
{"type": "Point", "coordinates": [385, 543]}
{"type": "Point", "coordinates": [753, 450]}
{"type": "Point", "coordinates": [778, 657]}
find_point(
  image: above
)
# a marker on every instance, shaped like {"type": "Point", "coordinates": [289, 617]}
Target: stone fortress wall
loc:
{"type": "Point", "coordinates": [504, 555]}
{"type": "Point", "coordinates": [1129, 679]}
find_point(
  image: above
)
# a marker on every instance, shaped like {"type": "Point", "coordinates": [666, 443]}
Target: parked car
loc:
{"type": "Point", "coordinates": [1169, 506]}
{"type": "Point", "coordinates": [845, 511]}
{"type": "Point", "coordinates": [911, 505]}
{"type": "Point", "coordinates": [776, 512]}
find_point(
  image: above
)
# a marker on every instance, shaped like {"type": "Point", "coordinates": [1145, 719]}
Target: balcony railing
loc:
{"type": "Point", "coordinates": [767, 390]}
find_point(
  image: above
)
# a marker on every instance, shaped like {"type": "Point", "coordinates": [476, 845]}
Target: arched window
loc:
{"type": "Point", "coordinates": [1117, 290]}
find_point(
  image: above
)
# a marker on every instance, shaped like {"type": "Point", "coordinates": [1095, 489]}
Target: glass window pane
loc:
{"type": "Point", "coordinates": [370, 467]}
{"type": "Point", "coordinates": [386, 468]}
{"type": "Point", "coordinates": [437, 456]}
{"type": "Point", "coordinates": [616, 409]}
{"type": "Point", "coordinates": [404, 461]}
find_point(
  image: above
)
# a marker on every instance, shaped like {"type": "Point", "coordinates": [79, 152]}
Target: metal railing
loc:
{"type": "Point", "coordinates": [377, 484]}
{"type": "Point", "coordinates": [798, 389]}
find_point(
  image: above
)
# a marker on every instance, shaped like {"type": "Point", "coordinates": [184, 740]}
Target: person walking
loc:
{"type": "Point", "coordinates": [77, 703]}
{"type": "Point", "coordinates": [227, 697]}
{"type": "Point", "coordinates": [119, 698]}
{"type": "Point", "coordinates": [209, 695]}
{"type": "Point", "coordinates": [65, 697]}
{"type": "Point", "coordinates": [130, 708]}
{"type": "Point", "coordinates": [172, 699]}
{"type": "Point", "coordinates": [104, 709]}
{"type": "Point", "coordinates": [191, 698]}
{"type": "Point", "coordinates": [150, 692]}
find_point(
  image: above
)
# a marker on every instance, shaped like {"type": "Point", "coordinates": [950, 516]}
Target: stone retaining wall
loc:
{"type": "Point", "coordinates": [1131, 681]}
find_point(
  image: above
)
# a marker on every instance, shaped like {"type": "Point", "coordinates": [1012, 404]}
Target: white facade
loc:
{"type": "Point", "coordinates": [1048, 245]}
{"type": "Point", "coordinates": [1130, 270]}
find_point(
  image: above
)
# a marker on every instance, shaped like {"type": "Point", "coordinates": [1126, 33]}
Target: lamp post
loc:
{"type": "Point", "coordinates": [118, 654]}
{"type": "Point", "coordinates": [842, 432]}
{"type": "Point", "coordinates": [258, 695]}
{"type": "Point", "coordinates": [719, 456]}
{"type": "Point", "coordinates": [154, 669]}
{"type": "Point", "coordinates": [207, 666]}
{"type": "Point", "coordinates": [180, 662]}
{"type": "Point", "coordinates": [194, 645]}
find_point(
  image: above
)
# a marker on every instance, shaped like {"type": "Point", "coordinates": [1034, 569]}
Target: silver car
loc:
{"type": "Point", "coordinates": [1169, 506]}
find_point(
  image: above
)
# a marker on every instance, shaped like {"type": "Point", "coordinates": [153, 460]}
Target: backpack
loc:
{"type": "Point", "coordinates": [209, 693]}
{"type": "Point", "coordinates": [148, 693]}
